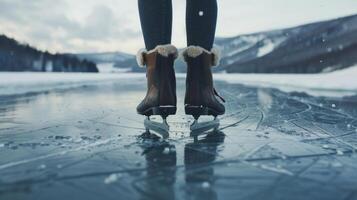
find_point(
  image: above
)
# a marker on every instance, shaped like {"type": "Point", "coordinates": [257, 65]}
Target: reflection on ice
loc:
{"type": "Point", "coordinates": [71, 141]}
{"type": "Point", "coordinates": [199, 173]}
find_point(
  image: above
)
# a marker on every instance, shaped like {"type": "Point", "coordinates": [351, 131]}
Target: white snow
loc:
{"type": "Point", "coordinates": [19, 83]}
{"type": "Point", "coordinates": [109, 68]}
{"type": "Point", "coordinates": [268, 47]}
{"type": "Point", "coordinates": [337, 83]}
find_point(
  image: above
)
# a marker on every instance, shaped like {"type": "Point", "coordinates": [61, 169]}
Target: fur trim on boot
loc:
{"type": "Point", "coordinates": [163, 50]}
{"type": "Point", "coordinates": [195, 51]}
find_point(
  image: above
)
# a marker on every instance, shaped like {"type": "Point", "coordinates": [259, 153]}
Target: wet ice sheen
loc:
{"type": "Point", "coordinates": [87, 142]}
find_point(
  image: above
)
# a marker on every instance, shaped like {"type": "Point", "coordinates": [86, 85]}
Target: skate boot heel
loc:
{"type": "Point", "coordinates": [164, 110]}
{"type": "Point", "coordinates": [197, 111]}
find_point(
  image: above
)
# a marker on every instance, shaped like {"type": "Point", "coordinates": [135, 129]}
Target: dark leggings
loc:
{"type": "Point", "coordinates": [156, 22]}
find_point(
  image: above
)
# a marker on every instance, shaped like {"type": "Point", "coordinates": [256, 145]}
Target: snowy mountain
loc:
{"type": "Point", "coordinates": [313, 48]}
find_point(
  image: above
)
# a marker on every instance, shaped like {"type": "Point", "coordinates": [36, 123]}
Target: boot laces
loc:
{"type": "Point", "coordinates": [218, 95]}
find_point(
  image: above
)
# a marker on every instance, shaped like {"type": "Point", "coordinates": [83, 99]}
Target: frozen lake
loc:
{"type": "Point", "coordinates": [84, 142]}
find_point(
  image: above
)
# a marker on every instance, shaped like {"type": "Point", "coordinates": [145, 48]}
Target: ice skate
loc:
{"type": "Point", "coordinates": [201, 96]}
{"type": "Point", "coordinates": [200, 128]}
{"type": "Point", "coordinates": [162, 129]}
{"type": "Point", "coordinates": [160, 98]}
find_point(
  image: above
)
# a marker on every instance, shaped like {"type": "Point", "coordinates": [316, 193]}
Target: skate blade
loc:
{"type": "Point", "coordinates": [161, 129]}
{"type": "Point", "coordinates": [201, 128]}
{"type": "Point", "coordinates": [160, 110]}
{"type": "Point", "coordinates": [197, 111]}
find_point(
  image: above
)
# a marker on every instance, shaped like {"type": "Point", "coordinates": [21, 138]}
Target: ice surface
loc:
{"type": "Point", "coordinates": [89, 143]}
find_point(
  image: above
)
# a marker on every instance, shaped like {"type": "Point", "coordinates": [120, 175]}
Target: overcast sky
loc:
{"type": "Point", "coordinates": [113, 25]}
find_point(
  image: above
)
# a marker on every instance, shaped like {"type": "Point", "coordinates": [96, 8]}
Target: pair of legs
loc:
{"type": "Point", "coordinates": [156, 22]}
{"type": "Point", "coordinates": [159, 57]}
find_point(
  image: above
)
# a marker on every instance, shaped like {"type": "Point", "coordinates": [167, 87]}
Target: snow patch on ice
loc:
{"type": "Point", "coordinates": [337, 83]}
{"type": "Point", "coordinates": [25, 82]}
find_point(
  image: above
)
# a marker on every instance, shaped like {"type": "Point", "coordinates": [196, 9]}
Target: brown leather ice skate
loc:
{"type": "Point", "coordinates": [201, 96]}
{"type": "Point", "coordinates": [160, 98]}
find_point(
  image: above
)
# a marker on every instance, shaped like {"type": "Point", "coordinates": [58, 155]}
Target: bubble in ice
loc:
{"type": "Point", "coordinates": [349, 125]}
{"type": "Point", "coordinates": [111, 178]}
{"type": "Point", "coordinates": [333, 105]}
{"type": "Point", "coordinates": [43, 166]}
{"type": "Point", "coordinates": [201, 13]}
{"type": "Point", "coordinates": [325, 146]}
{"type": "Point", "coordinates": [166, 150]}
{"type": "Point", "coordinates": [206, 185]}
{"type": "Point", "coordinates": [339, 152]}
{"type": "Point", "coordinates": [2, 145]}
{"type": "Point", "coordinates": [336, 164]}
{"type": "Point", "coordinates": [78, 140]}
{"type": "Point", "coordinates": [254, 164]}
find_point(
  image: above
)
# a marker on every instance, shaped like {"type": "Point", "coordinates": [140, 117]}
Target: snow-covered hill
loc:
{"type": "Point", "coordinates": [249, 47]}
{"type": "Point", "coordinates": [311, 48]}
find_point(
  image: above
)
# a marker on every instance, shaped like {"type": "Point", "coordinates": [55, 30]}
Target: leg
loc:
{"type": "Point", "coordinates": [158, 58]}
{"type": "Point", "coordinates": [156, 22]}
{"type": "Point", "coordinates": [201, 19]}
{"type": "Point", "coordinates": [201, 97]}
